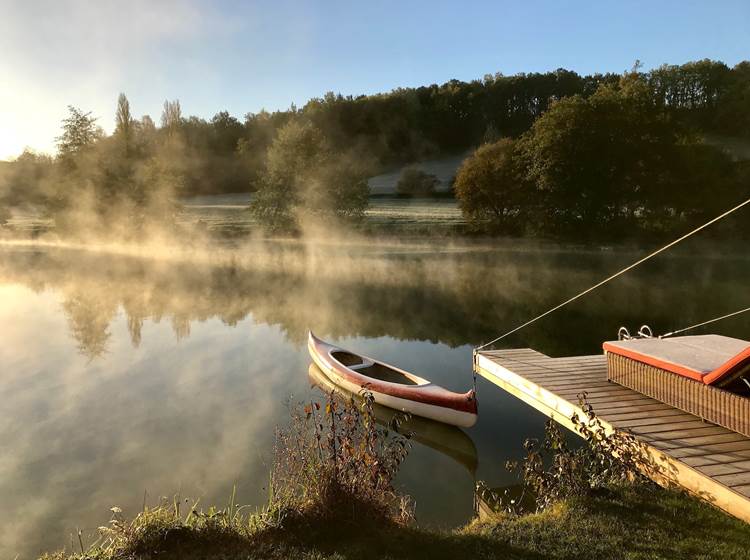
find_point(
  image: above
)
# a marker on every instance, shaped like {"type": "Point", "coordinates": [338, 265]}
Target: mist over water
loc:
{"type": "Point", "coordinates": [165, 369]}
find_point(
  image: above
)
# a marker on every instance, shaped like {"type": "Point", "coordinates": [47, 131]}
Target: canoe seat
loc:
{"type": "Point", "coordinates": [365, 364]}
{"type": "Point", "coordinates": [710, 359]}
{"type": "Point", "coordinates": [385, 373]}
{"type": "Point", "coordinates": [348, 359]}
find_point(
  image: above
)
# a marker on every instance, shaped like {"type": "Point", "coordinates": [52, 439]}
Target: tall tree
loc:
{"type": "Point", "coordinates": [123, 118]}
{"type": "Point", "coordinates": [79, 132]}
{"type": "Point", "coordinates": [171, 116]}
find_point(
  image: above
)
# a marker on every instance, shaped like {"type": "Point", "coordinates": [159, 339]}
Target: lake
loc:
{"type": "Point", "coordinates": [132, 374]}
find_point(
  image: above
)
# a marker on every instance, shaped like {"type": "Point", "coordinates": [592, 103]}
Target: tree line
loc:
{"type": "Point", "coordinates": [619, 163]}
{"type": "Point", "coordinates": [315, 159]}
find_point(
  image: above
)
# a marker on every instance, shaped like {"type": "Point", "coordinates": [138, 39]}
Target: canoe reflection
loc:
{"type": "Point", "coordinates": [449, 440]}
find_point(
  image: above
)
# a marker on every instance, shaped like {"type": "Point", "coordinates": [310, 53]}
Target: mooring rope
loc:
{"type": "Point", "coordinates": [727, 316]}
{"type": "Point", "coordinates": [615, 275]}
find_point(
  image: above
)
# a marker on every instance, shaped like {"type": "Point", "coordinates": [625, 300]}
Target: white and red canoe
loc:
{"type": "Point", "coordinates": [391, 386]}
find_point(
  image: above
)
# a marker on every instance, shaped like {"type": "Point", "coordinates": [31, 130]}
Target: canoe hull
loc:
{"type": "Point", "coordinates": [443, 438]}
{"type": "Point", "coordinates": [332, 370]}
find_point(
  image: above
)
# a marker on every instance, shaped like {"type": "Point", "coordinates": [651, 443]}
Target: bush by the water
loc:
{"type": "Point", "coordinates": [334, 460]}
{"type": "Point", "coordinates": [553, 471]}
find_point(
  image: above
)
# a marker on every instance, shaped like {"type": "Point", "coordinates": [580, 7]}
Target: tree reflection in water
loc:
{"type": "Point", "coordinates": [455, 297]}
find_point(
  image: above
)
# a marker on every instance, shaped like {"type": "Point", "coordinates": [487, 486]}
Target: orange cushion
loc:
{"type": "Point", "coordinates": [706, 358]}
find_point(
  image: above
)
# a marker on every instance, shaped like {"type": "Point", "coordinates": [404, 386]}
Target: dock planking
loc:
{"type": "Point", "coordinates": [707, 460]}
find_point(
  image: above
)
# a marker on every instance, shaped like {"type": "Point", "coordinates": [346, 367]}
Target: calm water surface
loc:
{"type": "Point", "coordinates": [124, 375]}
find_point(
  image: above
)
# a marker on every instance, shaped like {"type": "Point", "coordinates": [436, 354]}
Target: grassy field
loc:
{"type": "Point", "coordinates": [634, 522]}
{"type": "Point", "coordinates": [229, 214]}
{"type": "Point", "coordinates": [414, 215]}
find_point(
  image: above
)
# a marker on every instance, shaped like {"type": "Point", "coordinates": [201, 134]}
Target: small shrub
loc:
{"type": "Point", "coordinates": [552, 471]}
{"type": "Point", "coordinates": [415, 182]}
{"type": "Point", "coordinates": [334, 460]}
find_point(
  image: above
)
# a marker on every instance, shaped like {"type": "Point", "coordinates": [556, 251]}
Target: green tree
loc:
{"type": "Point", "coordinates": [29, 180]}
{"type": "Point", "coordinates": [79, 132]}
{"type": "Point", "coordinates": [733, 111]}
{"type": "Point", "coordinates": [123, 118]}
{"type": "Point", "coordinates": [490, 190]}
{"type": "Point", "coordinates": [416, 182]}
{"type": "Point", "coordinates": [304, 177]}
{"type": "Point", "coordinates": [227, 131]}
{"type": "Point", "coordinates": [171, 117]}
{"type": "Point", "coordinates": [618, 162]}
{"type": "Point", "coordinates": [594, 160]}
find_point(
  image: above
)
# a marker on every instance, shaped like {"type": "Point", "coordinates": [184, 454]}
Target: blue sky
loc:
{"type": "Point", "coordinates": [244, 56]}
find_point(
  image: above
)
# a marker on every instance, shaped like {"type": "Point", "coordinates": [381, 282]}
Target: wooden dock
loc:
{"type": "Point", "coordinates": [709, 461]}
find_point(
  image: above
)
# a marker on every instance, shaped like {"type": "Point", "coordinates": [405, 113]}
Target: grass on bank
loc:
{"type": "Point", "coordinates": [633, 522]}
{"type": "Point", "coordinates": [331, 497]}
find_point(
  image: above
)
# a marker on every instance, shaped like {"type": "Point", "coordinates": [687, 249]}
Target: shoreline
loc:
{"type": "Point", "coordinates": [634, 521]}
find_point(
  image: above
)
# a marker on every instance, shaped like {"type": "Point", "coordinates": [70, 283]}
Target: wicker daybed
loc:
{"type": "Point", "coordinates": [706, 375]}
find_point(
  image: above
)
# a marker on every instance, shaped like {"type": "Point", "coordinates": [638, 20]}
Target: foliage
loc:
{"type": "Point", "coordinates": [120, 186]}
{"type": "Point", "coordinates": [595, 160]}
{"type": "Point", "coordinates": [598, 154]}
{"type": "Point", "coordinates": [79, 132]}
{"type": "Point", "coordinates": [490, 190]}
{"type": "Point", "coordinates": [171, 116]}
{"type": "Point", "coordinates": [416, 182]}
{"type": "Point", "coordinates": [123, 118]}
{"type": "Point", "coordinates": [304, 178]}
{"type": "Point", "coordinates": [552, 471]}
{"type": "Point", "coordinates": [615, 163]}
{"type": "Point", "coordinates": [335, 461]}
{"type": "Point", "coordinates": [29, 180]}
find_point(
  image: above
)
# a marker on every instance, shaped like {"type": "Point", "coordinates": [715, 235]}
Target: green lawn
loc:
{"type": "Point", "coordinates": [640, 522]}
{"type": "Point", "coordinates": [228, 214]}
